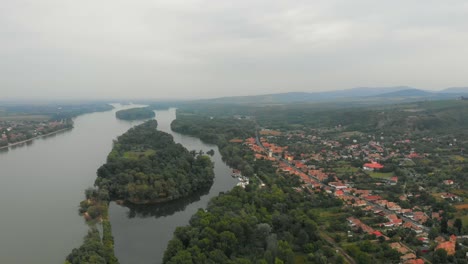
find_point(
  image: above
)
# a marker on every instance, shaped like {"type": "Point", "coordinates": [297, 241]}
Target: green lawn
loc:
{"type": "Point", "coordinates": [381, 175]}
{"type": "Point", "coordinates": [346, 169]}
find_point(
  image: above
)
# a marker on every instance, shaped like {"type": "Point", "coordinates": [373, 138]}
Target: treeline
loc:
{"type": "Point", "coordinates": [147, 166]}
{"type": "Point", "coordinates": [56, 111]}
{"type": "Point", "coordinates": [135, 113]}
{"type": "Point", "coordinates": [435, 116]}
{"type": "Point", "coordinates": [219, 131]}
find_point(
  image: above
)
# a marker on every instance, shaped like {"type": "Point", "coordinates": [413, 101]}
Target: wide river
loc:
{"type": "Point", "coordinates": [43, 181]}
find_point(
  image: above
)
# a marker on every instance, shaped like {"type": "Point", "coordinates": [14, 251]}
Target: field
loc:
{"type": "Point", "coordinates": [346, 169]}
{"type": "Point", "coordinates": [381, 175]}
{"type": "Point", "coordinates": [462, 206]}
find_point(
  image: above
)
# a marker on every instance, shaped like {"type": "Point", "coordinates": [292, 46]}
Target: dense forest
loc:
{"type": "Point", "coordinates": [135, 113]}
{"type": "Point", "coordinates": [147, 166]}
{"type": "Point", "coordinates": [270, 225]}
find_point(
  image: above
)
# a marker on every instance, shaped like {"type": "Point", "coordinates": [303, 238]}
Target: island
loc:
{"type": "Point", "coordinates": [135, 113]}
{"type": "Point", "coordinates": [145, 166]}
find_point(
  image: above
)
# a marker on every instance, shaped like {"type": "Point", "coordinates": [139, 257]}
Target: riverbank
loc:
{"type": "Point", "coordinates": [36, 137]}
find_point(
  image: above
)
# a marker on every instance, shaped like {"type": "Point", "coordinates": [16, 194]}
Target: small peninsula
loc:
{"type": "Point", "coordinates": [135, 113]}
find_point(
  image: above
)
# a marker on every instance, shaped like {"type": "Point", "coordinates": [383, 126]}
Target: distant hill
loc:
{"type": "Point", "coordinates": [456, 90]}
{"type": "Point", "coordinates": [407, 93]}
{"type": "Point", "coordinates": [293, 97]}
{"type": "Point", "coordinates": [355, 96]}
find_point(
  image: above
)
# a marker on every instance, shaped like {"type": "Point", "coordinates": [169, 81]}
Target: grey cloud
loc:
{"type": "Point", "coordinates": [201, 48]}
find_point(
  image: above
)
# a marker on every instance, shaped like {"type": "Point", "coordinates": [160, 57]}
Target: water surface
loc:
{"type": "Point", "coordinates": [42, 183]}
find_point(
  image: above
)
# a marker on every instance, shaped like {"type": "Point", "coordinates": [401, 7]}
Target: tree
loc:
{"type": "Point", "coordinates": [443, 225]}
{"type": "Point", "coordinates": [458, 224]}
{"type": "Point", "coordinates": [440, 256]}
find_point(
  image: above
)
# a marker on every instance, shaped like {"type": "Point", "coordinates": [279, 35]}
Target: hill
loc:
{"type": "Point", "coordinates": [355, 96]}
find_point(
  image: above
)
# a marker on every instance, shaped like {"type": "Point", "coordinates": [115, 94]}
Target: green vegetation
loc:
{"type": "Point", "coordinates": [146, 166]}
{"type": "Point", "coordinates": [382, 175]}
{"type": "Point", "coordinates": [94, 250]}
{"type": "Point", "coordinates": [256, 226]}
{"type": "Point", "coordinates": [135, 113]}
{"type": "Point", "coordinates": [436, 116]}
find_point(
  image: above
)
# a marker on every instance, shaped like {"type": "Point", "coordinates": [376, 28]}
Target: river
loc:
{"type": "Point", "coordinates": [141, 233]}
{"type": "Point", "coordinates": [42, 183]}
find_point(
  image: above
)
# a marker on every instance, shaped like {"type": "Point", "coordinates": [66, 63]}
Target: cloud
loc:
{"type": "Point", "coordinates": [201, 48]}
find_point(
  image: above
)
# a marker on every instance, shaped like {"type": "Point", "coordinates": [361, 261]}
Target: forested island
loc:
{"type": "Point", "coordinates": [135, 113]}
{"type": "Point", "coordinates": [145, 166]}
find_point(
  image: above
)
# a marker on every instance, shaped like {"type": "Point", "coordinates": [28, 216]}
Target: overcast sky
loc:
{"type": "Point", "coordinates": [196, 48]}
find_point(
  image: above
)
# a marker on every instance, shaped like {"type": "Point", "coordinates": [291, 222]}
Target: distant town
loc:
{"type": "Point", "coordinates": [22, 130]}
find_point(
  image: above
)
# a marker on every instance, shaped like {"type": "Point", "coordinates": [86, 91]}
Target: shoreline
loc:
{"type": "Point", "coordinates": [36, 137]}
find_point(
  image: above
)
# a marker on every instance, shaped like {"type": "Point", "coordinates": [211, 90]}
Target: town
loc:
{"type": "Point", "coordinates": [406, 190]}
{"type": "Point", "coordinates": [17, 131]}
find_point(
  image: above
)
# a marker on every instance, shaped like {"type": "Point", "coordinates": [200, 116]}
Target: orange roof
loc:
{"type": "Point", "coordinates": [373, 165]}
{"type": "Point", "coordinates": [448, 246]}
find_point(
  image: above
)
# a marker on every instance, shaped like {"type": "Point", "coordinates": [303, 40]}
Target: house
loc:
{"type": "Point", "coordinates": [393, 206]}
{"type": "Point", "coordinates": [339, 193]}
{"type": "Point", "coordinates": [393, 180]}
{"type": "Point", "coordinates": [372, 166]}
{"type": "Point", "coordinates": [408, 256]}
{"type": "Point", "coordinates": [399, 247]}
{"type": "Point", "coordinates": [448, 246]}
{"type": "Point", "coordinates": [338, 185]}
{"type": "Point", "coordinates": [449, 196]}
{"type": "Point", "coordinates": [382, 202]}
{"type": "Point", "coordinates": [448, 182]}
{"type": "Point", "coordinates": [359, 203]}
{"type": "Point", "coordinates": [372, 198]}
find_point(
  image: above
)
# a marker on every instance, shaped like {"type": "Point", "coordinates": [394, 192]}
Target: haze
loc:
{"type": "Point", "coordinates": [198, 49]}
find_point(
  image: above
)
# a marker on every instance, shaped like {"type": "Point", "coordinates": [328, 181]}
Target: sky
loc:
{"type": "Point", "coordinates": [160, 49]}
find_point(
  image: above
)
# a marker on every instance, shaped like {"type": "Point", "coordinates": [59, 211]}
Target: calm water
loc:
{"type": "Point", "coordinates": [42, 183]}
{"type": "Point", "coordinates": [141, 233]}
